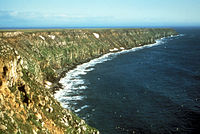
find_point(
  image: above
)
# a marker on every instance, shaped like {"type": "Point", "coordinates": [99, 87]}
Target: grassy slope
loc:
{"type": "Point", "coordinates": [37, 56]}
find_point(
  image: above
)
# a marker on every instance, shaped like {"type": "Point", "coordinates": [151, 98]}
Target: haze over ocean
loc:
{"type": "Point", "coordinates": [98, 13]}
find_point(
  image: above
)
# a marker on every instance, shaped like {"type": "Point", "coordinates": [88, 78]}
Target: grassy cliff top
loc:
{"type": "Point", "coordinates": [68, 29]}
{"type": "Point", "coordinates": [31, 62]}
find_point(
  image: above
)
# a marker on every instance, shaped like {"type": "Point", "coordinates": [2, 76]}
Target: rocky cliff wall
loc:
{"type": "Point", "coordinates": [31, 61]}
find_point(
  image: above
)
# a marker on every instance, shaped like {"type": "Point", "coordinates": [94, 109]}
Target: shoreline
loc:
{"type": "Point", "coordinates": [33, 62]}
{"type": "Point", "coordinates": [60, 88]}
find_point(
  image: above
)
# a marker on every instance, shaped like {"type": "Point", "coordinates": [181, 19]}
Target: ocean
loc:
{"type": "Point", "coordinates": [154, 89]}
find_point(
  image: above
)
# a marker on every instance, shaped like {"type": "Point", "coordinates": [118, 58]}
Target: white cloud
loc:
{"type": "Point", "coordinates": [13, 13]}
{"type": "Point", "coordinates": [19, 18]}
{"type": "Point", "coordinates": [44, 15]}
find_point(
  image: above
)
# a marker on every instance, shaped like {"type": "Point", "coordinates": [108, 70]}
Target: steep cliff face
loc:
{"type": "Point", "coordinates": [26, 106]}
{"type": "Point", "coordinates": [31, 62]}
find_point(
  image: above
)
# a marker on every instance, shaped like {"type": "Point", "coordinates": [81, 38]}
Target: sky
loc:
{"type": "Point", "coordinates": [99, 13]}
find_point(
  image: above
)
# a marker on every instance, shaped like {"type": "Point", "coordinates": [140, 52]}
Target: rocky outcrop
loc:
{"type": "Point", "coordinates": [26, 106]}
{"type": "Point", "coordinates": [32, 61]}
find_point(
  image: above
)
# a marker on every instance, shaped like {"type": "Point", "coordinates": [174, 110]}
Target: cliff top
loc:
{"type": "Point", "coordinates": [31, 62]}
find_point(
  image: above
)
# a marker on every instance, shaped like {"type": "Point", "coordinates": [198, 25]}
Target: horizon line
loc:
{"type": "Point", "coordinates": [91, 27]}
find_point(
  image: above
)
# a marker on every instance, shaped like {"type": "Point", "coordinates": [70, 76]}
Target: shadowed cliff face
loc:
{"type": "Point", "coordinates": [32, 61]}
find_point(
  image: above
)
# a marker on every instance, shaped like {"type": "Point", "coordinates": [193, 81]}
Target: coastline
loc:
{"type": "Point", "coordinates": [148, 74]}
{"type": "Point", "coordinates": [58, 86]}
{"type": "Point", "coordinates": [33, 61]}
{"type": "Point", "coordinates": [91, 63]}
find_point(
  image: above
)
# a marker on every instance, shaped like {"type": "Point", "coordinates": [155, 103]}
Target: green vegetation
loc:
{"type": "Point", "coordinates": [71, 47]}
{"type": "Point", "coordinates": [31, 63]}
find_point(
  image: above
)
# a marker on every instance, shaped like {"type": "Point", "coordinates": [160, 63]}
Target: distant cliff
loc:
{"type": "Point", "coordinates": [31, 62]}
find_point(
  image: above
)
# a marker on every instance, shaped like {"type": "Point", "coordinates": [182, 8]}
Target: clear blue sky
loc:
{"type": "Point", "coordinates": [79, 13]}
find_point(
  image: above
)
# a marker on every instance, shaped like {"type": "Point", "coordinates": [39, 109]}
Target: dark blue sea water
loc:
{"type": "Point", "coordinates": [153, 90]}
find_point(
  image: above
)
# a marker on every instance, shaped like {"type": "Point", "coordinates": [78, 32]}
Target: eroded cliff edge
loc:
{"type": "Point", "coordinates": [31, 62]}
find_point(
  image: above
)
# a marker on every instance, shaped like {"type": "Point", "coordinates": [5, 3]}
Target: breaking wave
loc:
{"type": "Point", "coordinates": [74, 84]}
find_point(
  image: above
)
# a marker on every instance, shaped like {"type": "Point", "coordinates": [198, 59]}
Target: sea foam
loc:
{"type": "Point", "coordinates": [74, 84]}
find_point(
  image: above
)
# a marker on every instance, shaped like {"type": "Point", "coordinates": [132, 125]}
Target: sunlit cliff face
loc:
{"type": "Point", "coordinates": [31, 63]}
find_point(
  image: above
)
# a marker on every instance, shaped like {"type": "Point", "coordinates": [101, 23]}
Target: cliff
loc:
{"type": "Point", "coordinates": [31, 63]}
